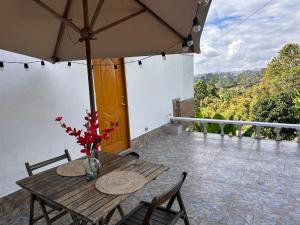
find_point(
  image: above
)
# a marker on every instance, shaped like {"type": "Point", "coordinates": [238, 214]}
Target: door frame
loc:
{"type": "Point", "coordinates": [126, 96]}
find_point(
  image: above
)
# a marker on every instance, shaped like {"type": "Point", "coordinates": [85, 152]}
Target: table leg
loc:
{"type": "Point", "coordinates": [101, 222]}
{"type": "Point", "coordinates": [44, 211]}
{"type": "Point", "coordinates": [31, 209]}
{"type": "Point", "coordinates": [77, 221]}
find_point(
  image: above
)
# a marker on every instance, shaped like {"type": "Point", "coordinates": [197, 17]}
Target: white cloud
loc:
{"type": "Point", "coordinates": [209, 51]}
{"type": "Point", "coordinates": [253, 43]}
{"type": "Point", "coordinates": [234, 49]}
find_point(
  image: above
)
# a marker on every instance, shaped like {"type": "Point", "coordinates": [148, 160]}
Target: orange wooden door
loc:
{"type": "Point", "coordinates": [110, 90]}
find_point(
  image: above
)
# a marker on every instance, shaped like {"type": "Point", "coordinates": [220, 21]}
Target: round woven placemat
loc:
{"type": "Point", "coordinates": [120, 182]}
{"type": "Point", "coordinates": [72, 169]}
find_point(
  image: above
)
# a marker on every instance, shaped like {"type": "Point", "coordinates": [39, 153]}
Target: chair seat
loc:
{"type": "Point", "coordinates": [160, 216]}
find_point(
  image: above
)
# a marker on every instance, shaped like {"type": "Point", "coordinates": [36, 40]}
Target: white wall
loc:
{"type": "Point", "coordinates": [152, 86]}
{"type": "Point", "coordinates": [30, 100]}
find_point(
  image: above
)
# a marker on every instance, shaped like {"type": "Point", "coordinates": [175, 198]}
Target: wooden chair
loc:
{"type": "Point", "coordinates": [44, 205]}
{"type": "Point", "coordinates": [154, 213]}
{"type": "Point", "coordinates": [133, 154]}
{"type": "Point", "coordinates": [130, 153]}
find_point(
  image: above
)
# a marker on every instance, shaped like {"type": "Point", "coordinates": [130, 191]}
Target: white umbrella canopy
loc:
{"type": "Point", "coordinates": [61, 30]}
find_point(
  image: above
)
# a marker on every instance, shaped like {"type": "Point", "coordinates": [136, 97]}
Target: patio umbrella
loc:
{"type": "Point", "coordinates": [65, 30]}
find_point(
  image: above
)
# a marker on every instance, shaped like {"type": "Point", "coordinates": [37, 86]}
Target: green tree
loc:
{"type": "Point", "coordinates": [280, 109]}
{"type": "Point", "coordinates": [297, 101]}
{"type": "Point", "coordinates": [212, 89]}
{"type": "Point", "coordinates": [269, 95]}
{"type": "Point", "coordinates": [200, 92]}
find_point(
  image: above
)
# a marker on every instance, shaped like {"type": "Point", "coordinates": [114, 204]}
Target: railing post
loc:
{"type": "Point", "coordinates": [258, 132]}
{"type": "Point", "coordinates": [277, 131]}
{"type": "Point", "coordinates": [239, 127]}
{"type": "Point", "coordinates": [298, 132]}
{"type": "Point", "coordinates": [222, 128]}
{"type": "Point", "coordinates": [204, 128]}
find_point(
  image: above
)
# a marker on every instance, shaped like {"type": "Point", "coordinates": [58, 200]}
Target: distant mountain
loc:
{"type": "Point", "coordinates": [227, 75]}
{"type": "Point", "coordinates": [247, 78]}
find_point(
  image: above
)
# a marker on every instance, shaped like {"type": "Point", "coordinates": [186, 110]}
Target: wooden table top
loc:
{"type": "Point", "coordinates": [79, 196]}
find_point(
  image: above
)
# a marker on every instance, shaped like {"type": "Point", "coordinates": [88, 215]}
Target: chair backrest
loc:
{"type": "Point", "coordinates": [170, 196]}
{"type": "Point", "coordinates": [31, 168]}
{"type": "Point", "coordinates": [133, 154]}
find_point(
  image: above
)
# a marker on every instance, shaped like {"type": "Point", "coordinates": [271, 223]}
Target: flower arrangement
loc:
{"type": "Point", "coordinates": [88, 137]}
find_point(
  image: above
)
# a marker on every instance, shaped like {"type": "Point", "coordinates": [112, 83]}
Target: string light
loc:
{"type": "Point", "coordinates": [203, 2]}
{"type": "Point", "coordinates": [185, 46]}
{"type": "Point", "coordinates": [186, 43]}
{"type": "Point", "coordinates": [190, 41]}
{"type": "Point", "coordinates": [196, 25]}
{"type": "Point", "coordinates": [163, 55]}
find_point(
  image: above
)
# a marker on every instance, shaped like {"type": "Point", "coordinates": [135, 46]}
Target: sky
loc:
{"type": "Point", "coordinates": [227, 46]}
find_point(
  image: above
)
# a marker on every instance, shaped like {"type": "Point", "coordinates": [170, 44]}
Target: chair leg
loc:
{"type": "Point", "coordinates": [182, 207]}
{"type": "Point", "coordinates": [109, 216]}
{"type": "Point", "coordinates": [121, 211]}
{"type": "Point", "coordinates": [45, 213]}
{"type": "Point", "coordinates": [31, 209]}
{"type": "Point", "coordinates": [171, 202]}
{"type": "Point", "coordinates": [101, 222]}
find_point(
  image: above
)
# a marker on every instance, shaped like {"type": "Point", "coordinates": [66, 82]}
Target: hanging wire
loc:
{"type": "Point", "coordinates": [244, 20]}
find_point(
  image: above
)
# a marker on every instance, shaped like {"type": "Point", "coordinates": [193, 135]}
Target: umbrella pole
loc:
{"type": "Point", "coordinates": [90, 74]}
{"type": "Point", "coordinates": [86, 35]}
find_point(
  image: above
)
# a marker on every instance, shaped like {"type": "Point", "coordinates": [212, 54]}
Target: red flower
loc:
{"type": "Point", "coordinates": [58, 119]}
{"type": "Point", "coordinates": [89, 138]}
{"type": "Point", "coordinates": [68, 129]}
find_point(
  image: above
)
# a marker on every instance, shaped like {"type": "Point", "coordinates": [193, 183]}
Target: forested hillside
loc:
{"type": "Point", "coordinates": [268, 95]}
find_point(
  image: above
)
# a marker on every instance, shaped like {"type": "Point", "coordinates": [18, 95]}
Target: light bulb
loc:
{"type": "Point", "coordinates": [196, 25]}
{"type": "Point", "coordinates": [203, 2]}
{"type": "Point", "coordinates": [163, 55]}
{"type": "Point", "coordinates": [26, 66]}
{"type": "Point", "coordinates": [190, 41]}
{"type": "Point", "coordinates": [185, 47]}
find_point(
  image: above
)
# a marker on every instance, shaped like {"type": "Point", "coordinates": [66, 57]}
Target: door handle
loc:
{"type": "Point", "coordinates": [123, 102]}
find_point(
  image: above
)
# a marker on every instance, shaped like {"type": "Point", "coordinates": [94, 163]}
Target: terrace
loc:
{"type": "Point", "coordinates": [231, 180]}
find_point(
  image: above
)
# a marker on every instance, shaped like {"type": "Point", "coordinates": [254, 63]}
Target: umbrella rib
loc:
{"type": "Point", "coordinates": [54, 13]}
{"type": "Point", "coordinates": [119, 21]}
{"type": "Point", "coordinates": [96, 13]}
{"type": "Point", "coordinates": [61, 30]}
{"type": "Point", "coordinates": [160, 19]}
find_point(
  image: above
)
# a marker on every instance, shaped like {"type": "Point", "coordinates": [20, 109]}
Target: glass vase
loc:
{"type": "Point", "coordinates": [92, 166]}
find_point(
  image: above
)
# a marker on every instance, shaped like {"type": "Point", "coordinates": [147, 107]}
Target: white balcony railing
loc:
{"type": "Point", "coordinates": [240, 124]}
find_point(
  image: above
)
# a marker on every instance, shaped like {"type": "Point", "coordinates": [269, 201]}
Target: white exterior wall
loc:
{"type": "Point", "coordinates": [151, 88]}
{"type": "Point", "coordinates": [30, 100]}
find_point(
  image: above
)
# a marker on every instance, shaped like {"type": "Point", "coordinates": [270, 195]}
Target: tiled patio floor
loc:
{"type": "Point", "coordinates": [230, 180]}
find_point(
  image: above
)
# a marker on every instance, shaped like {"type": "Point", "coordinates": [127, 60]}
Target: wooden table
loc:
{"type": "Point", "coordinates": [80, 197]}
